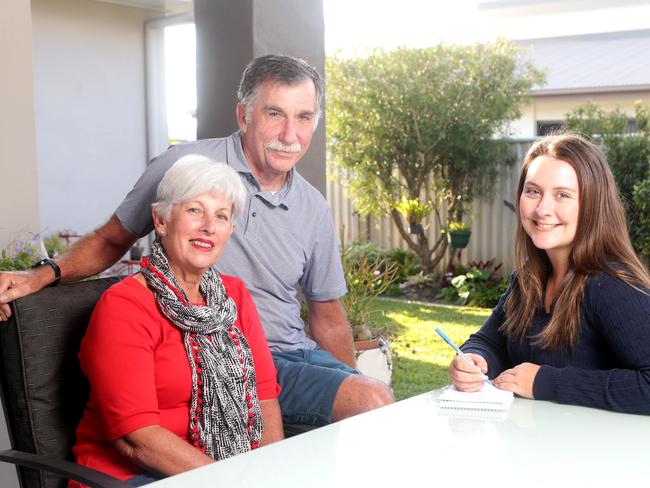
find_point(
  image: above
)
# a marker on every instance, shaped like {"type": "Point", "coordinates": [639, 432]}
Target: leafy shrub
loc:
{"type": "Point", "coordinates": [54, 245]}
{"type": "Point", "coordinates": [19, 256]}
{"type": "Point", "coordinates": [367, 274]}
{"type": "Point", "coordinates": [641, 237]}
{"type": "Point", "coordinates": [359, 250]}
{"type": "Point", "coordinates": [421, 286]}
{"type": "Point", "coordinates": [478, 286]}
{"type": "Point", "coordinates": [407, 262]}
{"type": "Point", "coordinates": [628, 154]}
{"type": "Point", "coordinates": [404, 263]}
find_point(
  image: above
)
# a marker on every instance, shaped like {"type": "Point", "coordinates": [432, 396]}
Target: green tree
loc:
{"type": "Point", "coordinates": [627, 150]}
{"type": "Point", "coordinates": [413, 127]}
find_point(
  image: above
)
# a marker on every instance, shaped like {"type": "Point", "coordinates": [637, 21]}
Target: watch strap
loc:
{"type": "Point", "coordinates": [54, 266]}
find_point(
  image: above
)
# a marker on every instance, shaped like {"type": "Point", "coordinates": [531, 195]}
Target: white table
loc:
{"type": "Point", "coordinates": [413, 443]}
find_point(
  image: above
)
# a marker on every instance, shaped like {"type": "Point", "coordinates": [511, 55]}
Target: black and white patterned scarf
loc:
{"type": "Point", "coordinates": [225, 416]}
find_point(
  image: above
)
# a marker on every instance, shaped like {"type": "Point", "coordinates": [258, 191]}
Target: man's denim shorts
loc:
{"type": "Point", "coordinates": [309, 379]}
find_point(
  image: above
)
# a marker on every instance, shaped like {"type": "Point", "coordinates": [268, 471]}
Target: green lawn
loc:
{"type": "Point", "coordinates": [420, 357]}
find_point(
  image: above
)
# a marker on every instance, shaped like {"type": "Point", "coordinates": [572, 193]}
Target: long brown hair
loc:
{"type": "Point", "coordinates": [601, 244]}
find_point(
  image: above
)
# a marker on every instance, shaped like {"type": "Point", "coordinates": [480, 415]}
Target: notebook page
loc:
{"type": "Point", "coordinates": [487, 398]}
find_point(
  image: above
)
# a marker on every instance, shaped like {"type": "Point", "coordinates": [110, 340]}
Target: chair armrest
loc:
{"type": "Point", "coordinates": [88, 476]}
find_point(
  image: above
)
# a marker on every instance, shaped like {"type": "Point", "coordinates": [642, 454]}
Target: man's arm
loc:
{"type": "Point", "coordinates": [330, 328]}
{"type": "Point", "coordinates": [92, 254]}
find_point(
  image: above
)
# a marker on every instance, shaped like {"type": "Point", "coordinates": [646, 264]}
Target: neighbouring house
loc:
{"type": "Point", "coordinates": [611, 69]}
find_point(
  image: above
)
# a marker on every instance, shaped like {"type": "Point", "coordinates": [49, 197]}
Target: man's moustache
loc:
{"type": "Point", "coordinates": [278, 146]}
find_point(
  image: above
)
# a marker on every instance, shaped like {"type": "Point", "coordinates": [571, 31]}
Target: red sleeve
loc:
{"type": "Point", "coordinates": [117, 356]}
{"type": "Point", "coordinates": [249, 323]}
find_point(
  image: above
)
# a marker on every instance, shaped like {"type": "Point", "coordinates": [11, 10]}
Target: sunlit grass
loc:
{"type": "Point", "coordinates": [420, 357]}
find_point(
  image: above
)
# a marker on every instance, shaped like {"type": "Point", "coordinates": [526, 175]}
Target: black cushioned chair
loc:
{"type": "Point", "coordinates": [43, 390]}
{"type": "Point", "coordinates": [42, 387]}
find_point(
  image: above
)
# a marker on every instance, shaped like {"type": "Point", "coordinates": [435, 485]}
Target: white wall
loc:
{"type": "Point", "coordinates": [89, 90]}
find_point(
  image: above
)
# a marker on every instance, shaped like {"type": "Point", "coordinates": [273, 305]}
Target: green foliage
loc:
{"type": "Point", "coordinates": [406, 261]}
{"type": "Point", "coordinates": [416, 124]}
{"type": "Point", "coordinates": [364, 250]}
{"type": "Point", "coordinates": [478, 286]}
{"type": "Point", "coordinates": [628, 155]}
{"type": "Point", "coordinates": [422, 280]}
{"type": "Point", "coordinates": [457, 227]}
{"type": "Point", "coordinates": [19, 256]}
{"type": "Point", "coordinates": [55, 245]}
{"type": "Point", "coordinates": [641, 202]}
{"type": "Point", "coordinates": [367, 276]}
{"type": "Point", "coordinates": [413, 209]}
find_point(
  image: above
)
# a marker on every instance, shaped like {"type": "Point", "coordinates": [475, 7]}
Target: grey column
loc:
{"type": "Point", "coordinates": [229, 33]}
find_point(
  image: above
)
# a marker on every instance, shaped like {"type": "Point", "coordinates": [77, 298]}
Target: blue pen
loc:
{"type": "Point", "coordinates": [458, 351]}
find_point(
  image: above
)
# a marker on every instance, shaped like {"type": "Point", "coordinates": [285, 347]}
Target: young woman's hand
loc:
{"type": "Point", "coordinates": [468, 377]}
{"type": "Point", "coordinates": [519, 379]}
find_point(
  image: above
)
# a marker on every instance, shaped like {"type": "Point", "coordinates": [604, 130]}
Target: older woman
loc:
{"type": "Point", "coordinates": [179, 369]}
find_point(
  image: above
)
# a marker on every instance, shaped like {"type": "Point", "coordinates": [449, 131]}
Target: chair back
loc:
{"type": "Point", "coordinates": [43, 390]}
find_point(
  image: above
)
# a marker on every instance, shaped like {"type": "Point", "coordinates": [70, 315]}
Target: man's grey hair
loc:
{"type": "Point", "coordinates": [281, 69]}
{"type": "Point", "coordinates": [193, 175]}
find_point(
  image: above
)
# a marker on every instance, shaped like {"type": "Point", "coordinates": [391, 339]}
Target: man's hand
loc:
{"type": "Point", "coordinates": [92, 254]}
{"type": "Point", "coordinates": [330, 328]}
{"type": "Point", "coordinates": [519, 379]}
{"type": "Point", "coordinates": [17, 284]}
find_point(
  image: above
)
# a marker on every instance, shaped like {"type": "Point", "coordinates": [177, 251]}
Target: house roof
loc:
{"type": "Point", "coordinates": [613, 61]}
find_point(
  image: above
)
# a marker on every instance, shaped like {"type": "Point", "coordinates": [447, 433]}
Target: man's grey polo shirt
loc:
{"type": "Point", "coordinates": [280, 241]}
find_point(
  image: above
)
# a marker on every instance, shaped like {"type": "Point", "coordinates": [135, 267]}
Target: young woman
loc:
{"type": "Point", "coordinates": [574, 324]}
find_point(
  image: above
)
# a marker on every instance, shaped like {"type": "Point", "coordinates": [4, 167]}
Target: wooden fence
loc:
{"type": "Point", "coordinates": [492, 222]}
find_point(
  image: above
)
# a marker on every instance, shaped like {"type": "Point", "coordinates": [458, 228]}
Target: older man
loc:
{"type": "Point", "coordinates": [285, 239]}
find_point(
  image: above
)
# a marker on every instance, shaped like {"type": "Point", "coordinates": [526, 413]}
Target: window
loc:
{"type": "Point", "coordinates": [545, 127]}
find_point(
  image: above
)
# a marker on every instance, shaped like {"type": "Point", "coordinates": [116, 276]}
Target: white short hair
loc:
{"type": "Point", "coordinates": [193, 175]}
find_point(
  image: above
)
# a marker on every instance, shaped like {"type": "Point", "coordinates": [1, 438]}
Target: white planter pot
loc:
{"type": "Point", "coordinates": [374, 359]}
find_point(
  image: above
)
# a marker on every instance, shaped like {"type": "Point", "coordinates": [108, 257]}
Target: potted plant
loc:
{"type": "Point", "coordinates": [55, 245]}
{"type": "Point", "coordinates": [367, 279]}
{"type": "Point", "coordinates": [414, 211]}
{"type": "Point", "coordinates": [458, 235]}
{"type": "Point", "coordinates": [22, 255]}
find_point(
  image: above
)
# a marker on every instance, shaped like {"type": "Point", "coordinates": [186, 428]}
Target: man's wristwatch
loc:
{"type": "Point", "coordinates": [54, 266]}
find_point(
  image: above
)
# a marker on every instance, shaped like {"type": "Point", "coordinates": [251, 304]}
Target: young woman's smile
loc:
{"type": "Point", "coordinates": [549, 205]}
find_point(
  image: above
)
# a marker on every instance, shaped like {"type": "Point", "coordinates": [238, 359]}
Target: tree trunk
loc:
{"type": "Point", "coordinates": [429, 258]}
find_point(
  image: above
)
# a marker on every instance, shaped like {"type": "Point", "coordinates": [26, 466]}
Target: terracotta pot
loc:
{"type": "Point", "coordinates": [365, 345]}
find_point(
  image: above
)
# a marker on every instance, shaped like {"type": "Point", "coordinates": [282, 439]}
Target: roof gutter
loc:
{"type": "Point", "coordinates": [589, 90]}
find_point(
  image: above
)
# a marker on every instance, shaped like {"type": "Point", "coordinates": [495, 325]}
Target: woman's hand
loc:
{"type": "Point", "coordinates": [519, 379]}
{"type": "Point", "coordinates": [468, 377]}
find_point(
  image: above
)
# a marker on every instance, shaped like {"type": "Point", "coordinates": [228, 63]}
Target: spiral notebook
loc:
{"type": "Point", "coordinates": [487, 398]}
